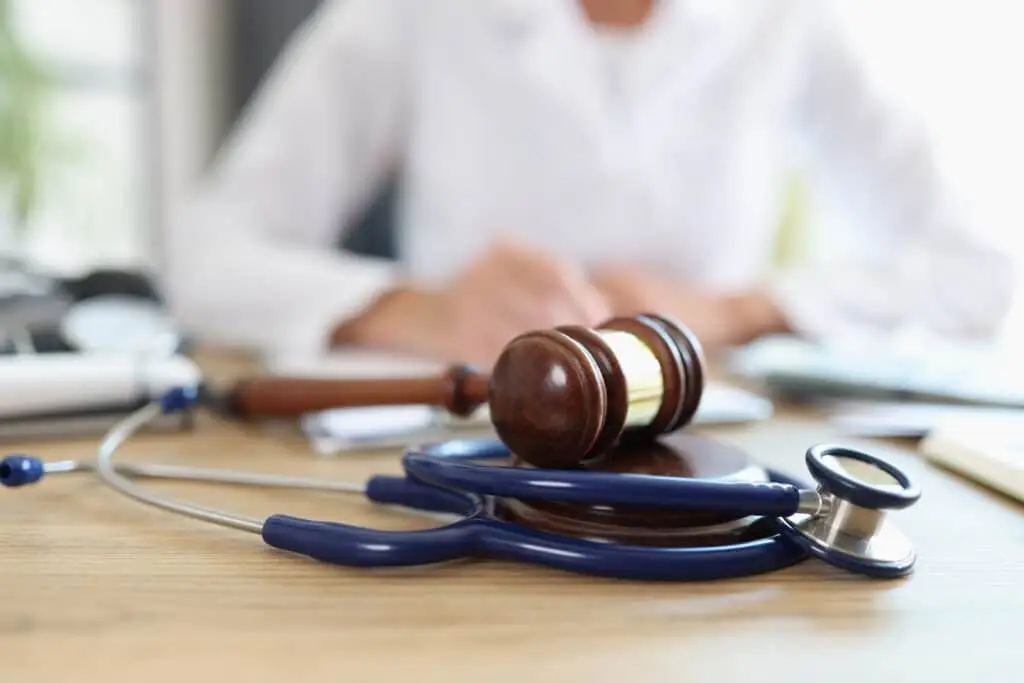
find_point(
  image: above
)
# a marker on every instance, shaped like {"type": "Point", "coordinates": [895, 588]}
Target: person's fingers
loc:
{"type": "Point", "coordinates": [530, 268]}
{"type": "Point", "coordinates": [561, 292]}
{"type": "Point", "coordinates": [490, 300]}
{"type": "Point", "coordinates": [590, 303]}
{"type": "Point", "coordinates": [501, 314]}
{"type": "Point", "coordinates": [508, 284]}
{"type": "Point", "coordinates": [471, 334]}
{"type": "Point", "coordinates": [620, 300]}
{"type": "Point", "coordinates": [475, 351]}
{"type": "Point", "coordinates": [481, 336]}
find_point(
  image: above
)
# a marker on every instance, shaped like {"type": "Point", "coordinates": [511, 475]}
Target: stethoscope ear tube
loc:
{"type": "Point", "coordinates": [435, 466]}
{"type": "Point", "coordinates": [356, 546]}
{"type": "Point", "coordinates": [479, 534]}
{"type": "Point", "coordinates": [405, 492]}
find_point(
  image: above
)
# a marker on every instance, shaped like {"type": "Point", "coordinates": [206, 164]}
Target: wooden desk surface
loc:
{"type": "Point", "coordinates": [96, 587]}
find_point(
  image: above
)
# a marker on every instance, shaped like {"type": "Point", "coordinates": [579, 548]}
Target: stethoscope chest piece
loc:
{"type": "Point", "coordinates": [852, 531]}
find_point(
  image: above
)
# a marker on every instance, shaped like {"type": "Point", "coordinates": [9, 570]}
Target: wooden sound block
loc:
{"type": "Point", "coordinates": [676, 455]}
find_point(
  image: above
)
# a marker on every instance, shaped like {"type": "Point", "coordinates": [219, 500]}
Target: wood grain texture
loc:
{"type": "Point", "coordinates": [459, 390]}
{"type": "Point", "coordinates": [95, 587]}
{"type": "Point", "coordinates": [548, 401]}
{"type": "Point", "coordinates": [612, 374]}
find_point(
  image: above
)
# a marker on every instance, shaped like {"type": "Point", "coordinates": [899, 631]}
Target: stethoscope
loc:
{"type": "Point", "coordinates": [841, 521]}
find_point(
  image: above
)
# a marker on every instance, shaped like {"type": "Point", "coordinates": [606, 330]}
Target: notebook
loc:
{"type": "Point", "coordinates": [339, 430]}
{"type": "Point", "coordinates": [992, 457]}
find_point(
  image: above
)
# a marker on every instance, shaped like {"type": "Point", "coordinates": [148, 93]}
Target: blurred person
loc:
{"type": "Point", "coordinates": [563, 161]}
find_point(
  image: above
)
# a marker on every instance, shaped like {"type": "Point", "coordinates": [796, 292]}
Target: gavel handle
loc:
{"type": "Point", "coordinates": [460, 391]}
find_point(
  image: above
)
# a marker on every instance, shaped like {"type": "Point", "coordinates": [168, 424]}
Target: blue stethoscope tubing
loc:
{"type": "Point", "coordinates": [481, 534]}
{"type": "Point", "coordinates": [445, 478]}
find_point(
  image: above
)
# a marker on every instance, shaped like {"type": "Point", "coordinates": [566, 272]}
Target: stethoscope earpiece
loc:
{"type": "Point", "coordinates": [20, 470]}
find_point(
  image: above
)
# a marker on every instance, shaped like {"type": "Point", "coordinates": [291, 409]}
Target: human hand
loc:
{"type": "Point", "coordinates": [718, 320]}
{"type": "Point", "coordinates": [509, 290]}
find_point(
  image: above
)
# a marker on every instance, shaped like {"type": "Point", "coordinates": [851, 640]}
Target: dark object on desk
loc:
{"type": "Point", "coordinates": [556, 397]}
{"type": "Point", "coordinates": [32, 317]}
{"type": "Point", "coordinates": [48, 319]}
{"type": "Point", "coordinates": [28, 301]}
{"type": "Point", "coordinates": [107, 282]}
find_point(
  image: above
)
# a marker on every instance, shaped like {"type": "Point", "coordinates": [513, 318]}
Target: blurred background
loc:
{"type": "Point", "coordinates": [110, 110]}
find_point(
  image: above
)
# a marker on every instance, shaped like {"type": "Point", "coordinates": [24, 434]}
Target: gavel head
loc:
{"type": "Point", "coordinates": [563, 396]}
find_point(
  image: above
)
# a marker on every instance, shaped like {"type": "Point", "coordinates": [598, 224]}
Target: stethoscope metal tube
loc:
{"type": "Point", "coordinates": [109, 474]}
{"type": "Point", "coordinates": [19, 470]}
{"type": "Point", "coordinates": [842, 521]}
{"type": "Point", "coordinates": [198, 474]}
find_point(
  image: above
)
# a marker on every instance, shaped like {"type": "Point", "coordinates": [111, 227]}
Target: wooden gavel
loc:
{"type": "Point", "coordinates": [556, 397]}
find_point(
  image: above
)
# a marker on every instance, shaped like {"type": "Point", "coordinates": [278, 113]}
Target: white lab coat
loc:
{"type": "Point", "coordinates": [668, 149]}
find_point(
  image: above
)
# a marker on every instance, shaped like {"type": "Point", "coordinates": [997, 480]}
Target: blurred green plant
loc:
{"type": "Point", "coordinates": [28, 143]}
